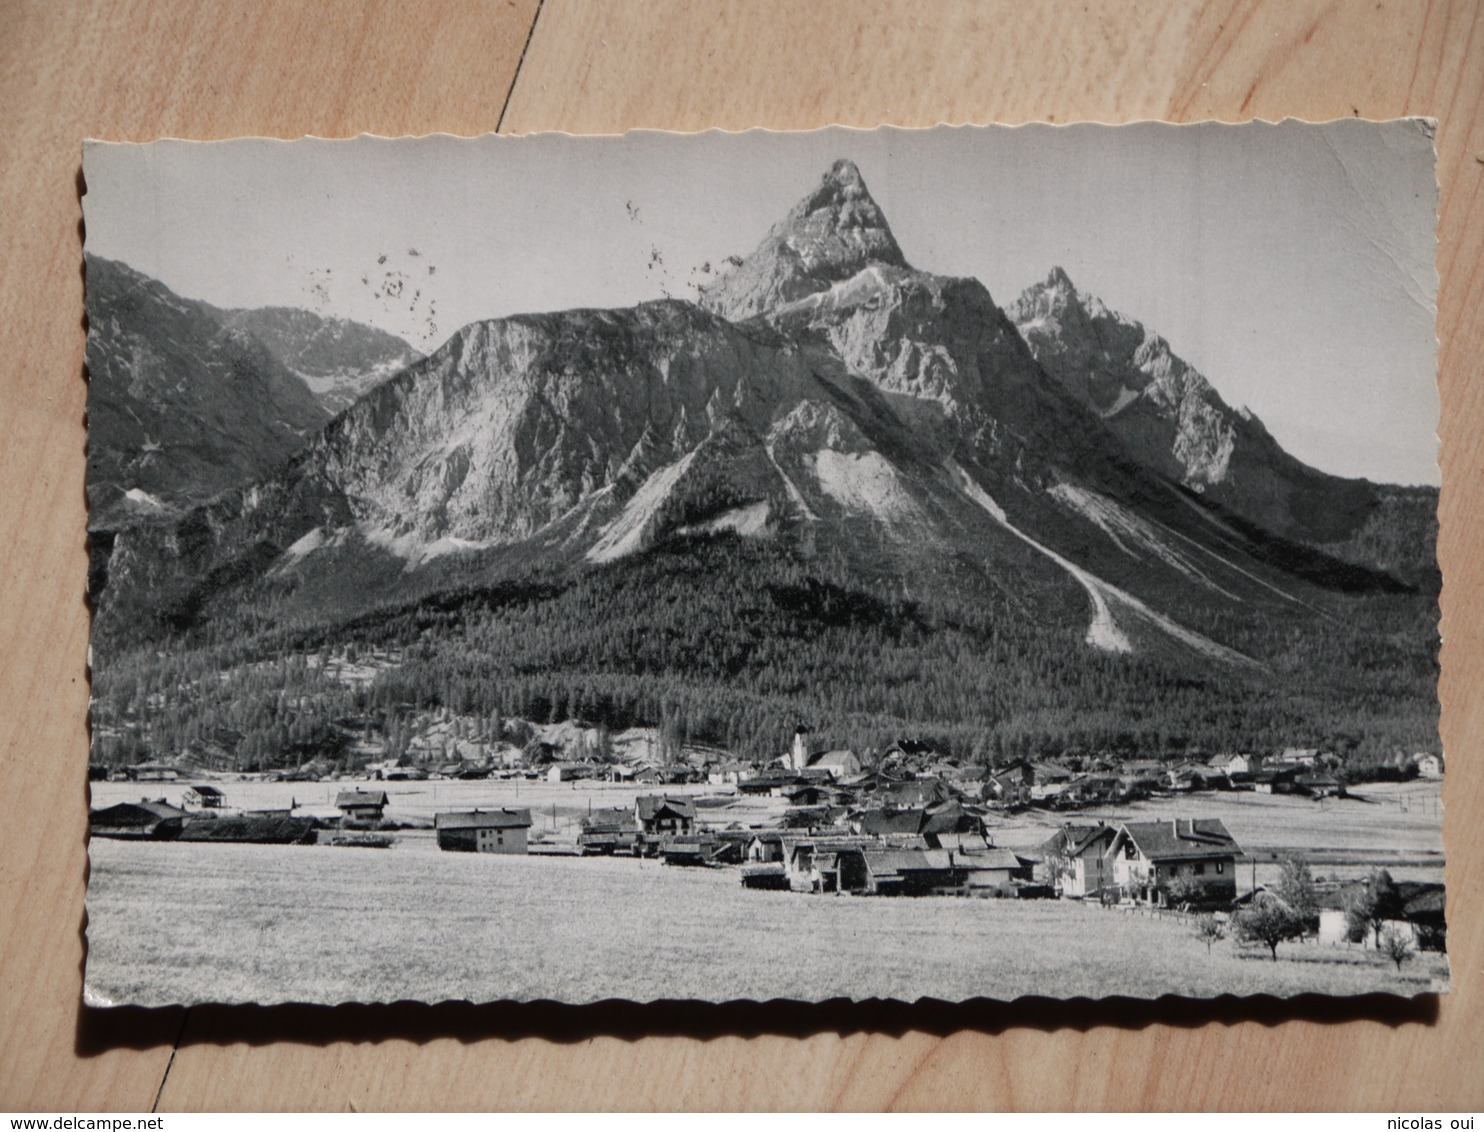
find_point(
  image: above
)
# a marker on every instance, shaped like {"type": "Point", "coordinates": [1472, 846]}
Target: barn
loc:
{"type": "Point", "coordinates": [143, 820]}
{"type": "Point", "coordinates": [483, 831]}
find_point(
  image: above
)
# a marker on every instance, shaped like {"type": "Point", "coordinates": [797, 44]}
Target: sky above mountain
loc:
{"type": "Point", "coordinates": [1291, 264]}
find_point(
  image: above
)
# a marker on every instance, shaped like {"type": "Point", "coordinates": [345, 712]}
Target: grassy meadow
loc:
{"type": "Point", "coordinates": [178, 922]}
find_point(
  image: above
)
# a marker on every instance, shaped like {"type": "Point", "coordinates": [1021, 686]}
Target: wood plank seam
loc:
{"type": "Point", "coordinates": [519, 63]}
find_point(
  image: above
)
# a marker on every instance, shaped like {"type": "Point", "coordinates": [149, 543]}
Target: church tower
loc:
{"type": "Point", "coordinates": [798, 758]}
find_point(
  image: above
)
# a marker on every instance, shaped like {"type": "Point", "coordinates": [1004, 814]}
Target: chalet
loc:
{"type": "Point", "coordinates": [483, 831]}
{"type": "Point", "coordinates": [660, 816]}
{"type": "Point", "coordinates": [143, 820]}
{"type": "Point", "coordinates": [605, 832]}
{"type": "Point", "coordinates": [1428, 766]}
{"type": "Point", "coordinates": [1146, 857]}
{"type": "Point", "coordinates": [203, 798]}
{"type": "Point", "coordinates": [361, 805]}
{"type": "Point", "coordinates": [1076, 861]}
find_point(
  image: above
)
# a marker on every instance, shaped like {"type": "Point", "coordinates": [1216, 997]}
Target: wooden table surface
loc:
{"type": "Point", "coordinates": [140, 69]}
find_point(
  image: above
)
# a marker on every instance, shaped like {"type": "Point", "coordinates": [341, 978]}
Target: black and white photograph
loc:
{"type": "Point", "coordinates": [971, 562]}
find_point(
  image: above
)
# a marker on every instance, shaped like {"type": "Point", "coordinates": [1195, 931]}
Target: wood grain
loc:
{"type": "Point", "coordinates": [138, 69]}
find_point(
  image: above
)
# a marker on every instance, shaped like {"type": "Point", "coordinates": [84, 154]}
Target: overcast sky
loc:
{"type": "Point", "coordinates": [1292, 264]}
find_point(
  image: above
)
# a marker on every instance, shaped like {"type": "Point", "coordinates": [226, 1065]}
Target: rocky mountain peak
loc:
{"type": "Point", "coordinates": [830, 236]}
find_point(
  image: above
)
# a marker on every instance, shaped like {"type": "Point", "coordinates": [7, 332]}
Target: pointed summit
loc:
{"type": "Point", "coordinates": [831, 235]}
{"type": "Point", "coordinates": [1058, 280]}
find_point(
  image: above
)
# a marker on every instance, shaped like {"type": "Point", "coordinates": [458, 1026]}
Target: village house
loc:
{"type": "Point", "coordinates": [605, 832]}
{"type": "Point", "coordinates": [361, 805]}
{"type": "Point", "coordinates": [1234, 764]}
{"type": "Point", "coordinates": [1273, 779]}
{"type": "Point", "coordinates": [1197, 853]}
{"type": "Point", "coordinates": [144, 819]}
{"type": "Point", "coordinates": [661, 816]}
{"type": "Point", "coordinates": [1296, 756]}
{"type": "Point", "coordinates": [203, 798]}
{"type": "Point", "coordinates": [483, 831]}
{"type": "Point", "coordinates": [1076, 861]}
{"type": "Point", "coordinates": [1006, 790]}
{"type": "Point", "coordinates": [1428, 765]}
{"type": "Point", "coordinates": [726, 773]}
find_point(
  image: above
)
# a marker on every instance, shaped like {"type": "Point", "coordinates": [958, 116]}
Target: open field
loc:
{"type": "Point", "coordinates": [172, 922]}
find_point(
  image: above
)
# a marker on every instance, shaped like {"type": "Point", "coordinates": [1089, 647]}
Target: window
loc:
{"type": "Point", "coordinates": [1220, 867]}
{"type": "Point", "coordinates": [1130, 851]}
{"type": "Point", "coordinates": [1198, 870]}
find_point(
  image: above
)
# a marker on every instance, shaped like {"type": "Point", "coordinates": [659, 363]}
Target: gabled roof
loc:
{"type": "Point", "coordinates": [504, 818]}
{"type": "Point", "coordinates": [360, 798]}
{"type": "Point", "coordinates": [893, 862]}
{"type": "Point", "coordinates": [1181, 838]}
{"type": "Point", "coordinates": [992, 858]}
{"type": "Point", "coordinates": [651, 806]}
{"type": "Point", "coordinates": [159, 811]}
{"type": "Point", "coordinates": [838, 758]}
{"type": "Point", "coordinates": [207, 791]}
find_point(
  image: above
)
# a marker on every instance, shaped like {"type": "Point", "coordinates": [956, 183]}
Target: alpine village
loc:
{"type": "Point", "coordinates": [835, 575]}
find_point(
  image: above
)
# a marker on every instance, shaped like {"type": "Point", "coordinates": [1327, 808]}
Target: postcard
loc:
{"type": "Point", "coordinates": [973, 562]}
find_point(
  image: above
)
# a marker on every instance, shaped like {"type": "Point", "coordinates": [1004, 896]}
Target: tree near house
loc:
{"type": "Point", "coordinates": [1396, 945]}
{"type": "Point", "coordinates": [1183, 890]}
{"type": "Point", "coordinates": [1270, 923]}
{"type": "Point", "coordinates": [1296, 889]}
{"type": "Point", "coordinates": [1369, 910]}
{"type": "Point", "coordinates": [1208, 929]}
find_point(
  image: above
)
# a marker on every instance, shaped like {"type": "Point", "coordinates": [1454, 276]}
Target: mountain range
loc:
{"type": "Point", "coordinates": [186, 400]}
{"type": "Point", "coordinates": [1050, 469]}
